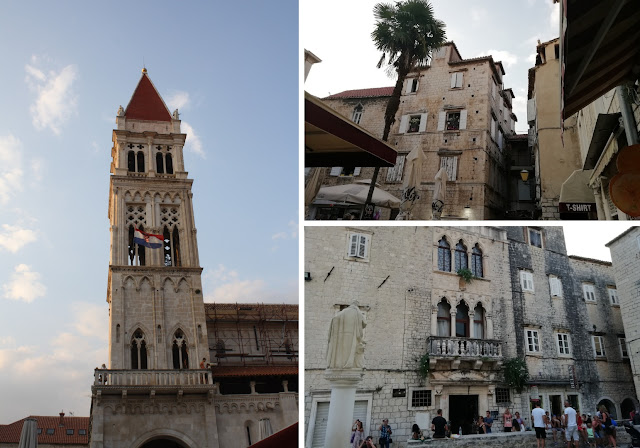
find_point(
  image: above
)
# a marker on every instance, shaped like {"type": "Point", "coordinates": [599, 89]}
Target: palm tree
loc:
{"type": "Point", "coordinates": [406, 33]}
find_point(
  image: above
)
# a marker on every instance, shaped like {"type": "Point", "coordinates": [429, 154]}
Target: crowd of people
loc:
{"type": "Point", "coordinates": [577, 430]}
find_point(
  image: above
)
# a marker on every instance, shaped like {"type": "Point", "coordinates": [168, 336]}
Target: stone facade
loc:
{"type": "Point", "coordinates": [415, 304]}
{"type": "Point", "coordinates": [459, 113]}
{"type": "Point", "coordinates": [625, 252]}
{"type": "Point", "coordinates": [154, 391]}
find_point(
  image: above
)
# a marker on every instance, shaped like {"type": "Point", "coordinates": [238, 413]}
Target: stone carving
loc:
{"type": "Point", "coordinates": [176, 115]}
{"type": "Point", "coordinates": [120, 112]}
{"type": "Point", "coordinates": [346, 344]}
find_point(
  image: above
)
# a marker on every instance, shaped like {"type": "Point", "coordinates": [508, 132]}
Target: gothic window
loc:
{"type": "Point", "coordinates": [444, 318]}
{"type": "Point", "coordinates": [169, 164]}
{"type": "Point", "coordinates": [138, 351]}
{"type": "Point", "coordinates": [131, 161]}
{"type": "Point", "coordinates": [476, 261]}
{"type": "Point", "coordinates": [478, 322]}
{"type": "Point", "coordinates": [180, 351]}
{"type": "Point", "coordinates": [462, 261]}
{"type": "Point", "coordinates": [462, 320]}
{"type": "Point", "coordinates": [171, 247]}
{"type": "Point", "coordinates": [159, 163]}
{"type": "Point", "coordinates": [118, 333]}
{"type": "Point", "coordinates": [357, 114]}
{"type": "Point", "coordinates": [136, 253]}
{"type": "Point", "coordinates": [444, 255]}
{"type": "Point", "coordinates": [140, 160]}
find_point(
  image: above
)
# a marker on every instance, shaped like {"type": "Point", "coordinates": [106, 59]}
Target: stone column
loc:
{"type": "Point", "coordinates": [343, 383]}
{"type": "Point", "coordinates": [607, 212]}
{"type": "Point", "coordinates": [454, 311]}
{"type": "Point", "coordinates": [599, 207]}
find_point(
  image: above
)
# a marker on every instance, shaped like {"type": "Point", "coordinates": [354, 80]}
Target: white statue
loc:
{"type": "Point", "coordinates": [120, 111]}
{"type": "Point", "coordinates": [346, 345]}
{"type": "Point", "coordinates": [176, 115]}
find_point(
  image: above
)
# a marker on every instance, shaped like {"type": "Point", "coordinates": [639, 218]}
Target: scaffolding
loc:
{"type": "Point", "coordinates": [252, 334]}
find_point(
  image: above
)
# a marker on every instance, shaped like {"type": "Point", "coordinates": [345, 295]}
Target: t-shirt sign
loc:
{"type": "Point", "coordinates": [439, 424]}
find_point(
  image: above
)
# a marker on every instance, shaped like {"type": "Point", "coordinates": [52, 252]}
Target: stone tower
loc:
{"type": "Point", "coordinates": [153, 393]}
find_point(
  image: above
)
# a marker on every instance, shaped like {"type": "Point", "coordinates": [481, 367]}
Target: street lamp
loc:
{"type": "Point", "coordinates": [524, 175]}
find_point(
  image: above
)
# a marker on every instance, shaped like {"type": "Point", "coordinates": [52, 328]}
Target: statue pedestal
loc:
{"type": "Point", "coordinates": [344, 383]}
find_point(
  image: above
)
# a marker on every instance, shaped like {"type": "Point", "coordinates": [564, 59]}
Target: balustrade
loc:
{"type": "Point", "coordinates": [464, 347]}
{"type": "Point", "coordinates": [156, 378]}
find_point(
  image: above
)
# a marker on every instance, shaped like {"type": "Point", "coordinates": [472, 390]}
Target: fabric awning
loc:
{"type": "Point", "coordinates": [332, 140]}
{"type": "Point", "coordinates": [575, 193]}
{"type": "Point", "coordinates": [605, 124]}
{"type": "Point", "coordinates": [599, 48]}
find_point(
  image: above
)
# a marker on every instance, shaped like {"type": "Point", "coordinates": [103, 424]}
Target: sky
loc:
{"type": "Point", "coordinates": [66, 68]}
{"type": "Point", "coordinates": [339, 33]}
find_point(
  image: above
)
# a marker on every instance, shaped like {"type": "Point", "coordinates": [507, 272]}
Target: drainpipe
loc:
{"type": "Point", "coordinates": [628, 119]}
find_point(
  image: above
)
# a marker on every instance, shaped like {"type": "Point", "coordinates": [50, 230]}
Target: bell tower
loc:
{"type": "Point", "coordinates": [156, 309]}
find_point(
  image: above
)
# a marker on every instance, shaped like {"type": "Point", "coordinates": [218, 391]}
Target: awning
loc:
{"type": "Point", "coordinates": [575, 195]}
{"type": "Point", "coordinates": [605, 124]}
{"type": "Point", "coordinates": [332, 140]}
{"type": "Point", "coordinates": [287, 437]}
{"type": "Point", "coordinates": [599, 48]}
{"type": "Point", "coordinates": [356, 193]}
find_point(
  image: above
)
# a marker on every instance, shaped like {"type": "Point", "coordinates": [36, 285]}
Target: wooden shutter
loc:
{"type": "Point", "coordinates": [407, 89]}
{"type": "Point", "coordinates": [459, 79]}
{"type": "Point", "coordinates": [450, 164]}
{"type": "Point", "coordinates": [394, 173]}
{"type": "Point", "coordinates": [404, 123]}
{"type": "Point", "coordinates": [453, 80]}
{"type": "Point", "coordinates": [320, 427]}
{"type": "Point", "coordinates": [353, 245]}
{"type": "Point", "coordinates": [463, 119]}
{"type": "Point", "coordinates": [363, 246]}
{"type": "Point", "coordinates": [423, 122]}
{"type": "Point", "coordinates": [442, 117]}
{"type": "Point", "coordinates": [335, 171]}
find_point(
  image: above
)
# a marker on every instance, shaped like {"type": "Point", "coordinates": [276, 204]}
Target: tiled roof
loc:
{"type": "Point", "coordinates": [11, 433]}
{"type": "Point", "coordinates": [228, 371]}
{"type": "Point", "coordinates": [363, 93]}
{"type": "Point", "coordinates": [146, 103]}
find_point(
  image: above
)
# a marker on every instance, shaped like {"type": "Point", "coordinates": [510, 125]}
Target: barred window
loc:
{"type": "Point", "coordinates": [503, 395]}
{"type": "Point", "coordinates": [476, 262]}
{"type": "Point", "coordinates": [462, 261]}
{"type": "Point", "coordinates": [421, 398]}
{"type": "Point", "coordinates": [444, 255]}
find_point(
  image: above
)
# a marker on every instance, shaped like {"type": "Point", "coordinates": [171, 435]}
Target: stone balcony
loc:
{"type": "Point", "coordinates": [454, 350]}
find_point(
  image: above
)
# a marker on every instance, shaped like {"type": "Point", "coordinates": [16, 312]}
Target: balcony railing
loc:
{"type": "Point", "coordinates": [464, 347]}
{"type": "Point", "coordinates": [156, 378]}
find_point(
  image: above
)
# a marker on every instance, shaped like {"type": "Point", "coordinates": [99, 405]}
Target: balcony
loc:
{"type": "Point", "coordinates": [454, 350]}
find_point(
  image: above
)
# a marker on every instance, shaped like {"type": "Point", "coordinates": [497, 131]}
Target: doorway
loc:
{"type": "Point", "coordinates": [556, 404]}
{"type": "Point", "coordinates": [463, 410]}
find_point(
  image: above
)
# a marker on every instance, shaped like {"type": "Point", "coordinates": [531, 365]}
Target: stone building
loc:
{"type": "Point", "coordinates": [154, 392]}
{"type": "Point", "coordinates": [625, 252]}
{"type": "Point", "coordinates": [53, 432]}
{"type": "Point", "coordinates": [459, 113]}
{"type": "Point", "coordinates": [526, 302]}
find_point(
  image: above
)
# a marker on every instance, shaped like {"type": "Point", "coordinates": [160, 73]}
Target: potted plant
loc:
{"type": "Point", "coordinates": [516, 373]}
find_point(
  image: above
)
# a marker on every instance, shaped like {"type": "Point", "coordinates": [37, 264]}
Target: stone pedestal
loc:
{"type": "Point", "coordinates": [344, 383]}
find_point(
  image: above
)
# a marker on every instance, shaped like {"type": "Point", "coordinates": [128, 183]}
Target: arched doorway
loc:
{"type": "Point", "coordinates": [163, 443]}
{"type": "Point", "coordinates": [610, 407]}
{"type": "Point", "coordinates": [626, 407]}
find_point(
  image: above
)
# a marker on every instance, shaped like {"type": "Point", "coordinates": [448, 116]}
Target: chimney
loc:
{"type": "Point", "coordinates": [61, 419]}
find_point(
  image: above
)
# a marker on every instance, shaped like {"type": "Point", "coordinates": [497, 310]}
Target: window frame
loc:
{"type": "Point", "coordinates": [446, 120]}
{"type": "Point", "coordinates": [624, 347]}
{"type": "Point", "coordinates": [457, 80]}
{"type": "Point", "coordinates": [410, 400]}
{"type": "Point", "coordinates": [523, 281]}
{"type": "Point", "coordinates": [600, 340]}
{"type": "Point", "coordinates": [477, 254]}
{"type": "Point", "coordinates": [366, 245]}
{"type": "Point", "coordinates": [450, 164]}
{"type": "Point", "coordinates": [612, 291]}
{"type": "Point", "coordinates": [368, 397]}
{"type": "Point", "coordinates": [446, 251]}
{"type": "Point", "coordinates": [563, 342]}
{"type": "Point", "coordinates": [585, 292]}
{"type": "Point", "coordinates": [536, 342]}
{"type": "Point", "coordinates": [396, 172]}
{"type": "Point", "coordinates": [554, 279]}
{"type": "Point", "coordinates": [356, 115]}
{"type": "Point", "coordinates": [501, 394]}
{"type": "Point", "coordinates": [539, 232]}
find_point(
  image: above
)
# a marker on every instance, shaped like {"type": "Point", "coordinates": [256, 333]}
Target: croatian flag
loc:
{"type": "Point", "coordinates": [148, 239]}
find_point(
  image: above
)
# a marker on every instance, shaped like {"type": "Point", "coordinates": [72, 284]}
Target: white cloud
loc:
{"type": "Point", "coordinates": [56, 101]}
{"type": "Point", "coordinates": [178, 100]}
{"type": "Point", "coordinates": [11, 174]}
{"type": "Point", "coordinates": [508, 59]}
{"type": "Point", "coordinates": [24, 285]}
{"type": "Point", "coordinates": [554, 17]}
{"type": "Point", "coordinates": [479, 15]}
{"type": "Point", "coordinates": [291, 233]}
{"type": "Point", "coordinates": [193, 142]}
{"type": "Point", "coordinates": [13, 238]}
{"type": "Point", "coordinates": [226, 286]}
{"type": "Point", "coordinates": [91, 320]}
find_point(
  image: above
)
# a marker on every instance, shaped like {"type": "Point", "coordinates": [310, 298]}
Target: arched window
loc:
{"type": "Point", "coordinates": [171, 247]}
{"type": "Point", "coordinates": [478, 322]}
{"type": "Point", "coordinates": [476, 261]}
{"type": "Point", "coordinates": [159, 163]}
{"type": "Point", "coordinates": [118, 333]}
{"type": "Point", "coordinates": [136, 253]}
{"type": "Point", "coordinates": [140, 162]}
{"type": "Point", "coordinates": [131, 161]}
{"type": "Point", "coordinates": [169, 164]}
{"type": "Point", "coordinates": [462, 261]}
{"type": "Point", "coordinates": [180, 351]}
{"type": "Point", "coordinates": [444, 318]}
{"type": "Point", "coordinates": [462, 320]}
{"type": "Point", "coordinates": [444, 255]}
{"type": "Point", "coordinates": [357, 113]}
{"type": "Point", "coordinates": [138, 351]}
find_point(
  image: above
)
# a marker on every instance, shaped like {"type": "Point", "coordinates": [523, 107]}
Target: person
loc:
{"type": "Point", "coordinates": [609, 429]}
{"type": "Point", "coordinates": [439, 426]}
{"type": "Point", "coordinates": [597, 428]}
{"type": "Point", "coordinates": [488, 422]}
{"type": "Point", "coordinates": [416, 434]}
{"type": "Point", "coordinates": [571, 425]}
{"type": "Point", "coordinates": [520, 423]}
{"type": "Point", "coordinates": [547, 423]}
{"type": "Point", "coordinates": [539, 423]}
{"type": "Point", "coordinates": [482, 428]}
{"type": "Point", "coordinates": [368, 443]}
{"type": "Point", "coordinates": [385, 434]}
{"type": "Point", "coordinates": [582, 427]}
{"type": "Point", "coordinates": [591, 439]}
{"type": "Point", "coordinates": [507, 422]}
{"type": "Point", "coordinates": [357, 436]}
{"type": "Point", "coordinates": [203, 363]}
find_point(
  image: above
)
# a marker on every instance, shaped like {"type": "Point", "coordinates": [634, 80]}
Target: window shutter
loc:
{"type": "Point", "coordinates": [356, 171]}
{"type": "Point", "coordinates": [353, 245]}
{"type": "Point", "coordinates": [335, 171]}
{"type": "Point", "coordinates": [441, 119]}
{"type": "Point", "coordinates": [459, 79]}
{"type": "Point", "coordinates": [407, 89]}
{"type": "Point", "coordinates": [363, 246]}
{"type": "Point", "coordinates": [450, 164]}
{"type": "Point", "coordinates": [493, 128]}
{"type": "Point", "coordinates": [320, 428]}
{"type": "Point", "coordinates": [553, 286]}
{"type": "Point", "coordinates": [463, 119]}
{"type": "Point", "coordinates": [423, 122]}
{"type": "Point", "coordinates": [453, 80]}
{"type": "Point", "coordinates": [404, 123]}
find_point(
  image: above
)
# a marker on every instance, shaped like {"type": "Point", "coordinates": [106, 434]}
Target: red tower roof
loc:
{"type": "Point", "coordinates": [146, 103]}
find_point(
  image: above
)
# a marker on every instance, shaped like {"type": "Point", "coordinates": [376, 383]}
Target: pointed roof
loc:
{"type": "Point", "coordinates": [146, 103]}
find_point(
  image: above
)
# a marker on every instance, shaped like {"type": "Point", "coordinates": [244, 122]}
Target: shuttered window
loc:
{"type": "Point", "coordinates": [555, 285]}
{"type": "Point", "coordinates": [589, 292]}
{"type": "Point", "coordinates": [456, 80]}
{"type": "Point", "coordinates": [526, 281]}
{"type": "Point", "coordinates": [413, 123]}
{"type": "Point", "coordinates": [450, 164]}
{"type": "Point", "coordinates": [322, 414]}
{"type": "Point", "coordinates": [359, 245]}
{"type": "Point", "coordinates": [394, 174]}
